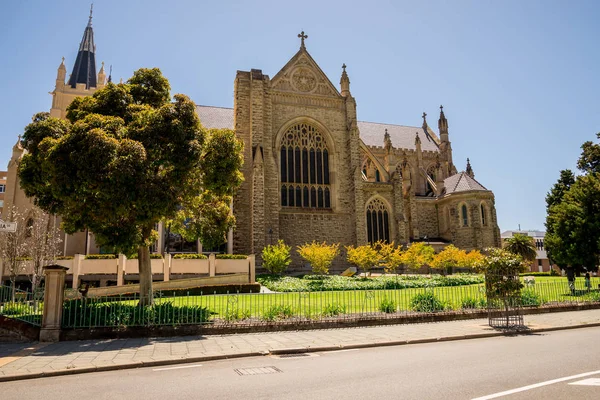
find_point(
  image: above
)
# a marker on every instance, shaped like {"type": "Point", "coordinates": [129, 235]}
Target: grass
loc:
{"type": "Point", "coordinates": [333, 303]}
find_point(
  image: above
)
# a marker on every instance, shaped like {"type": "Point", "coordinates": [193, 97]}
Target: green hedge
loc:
{"type": "Point", "coordinates": [537, 274]}
{"type": "Point", "coordinates": [154, 256]}
{"type": "Point", "coordinates": [100, 257]}
{"type": "Point", "coordinates": [64, 258]}
{"type": "Point", "coordinates": [316, 283]}
{"type": "Point", "coordinates": [191, 256]}
{"type": "Point", "coordinates": [231, 256]}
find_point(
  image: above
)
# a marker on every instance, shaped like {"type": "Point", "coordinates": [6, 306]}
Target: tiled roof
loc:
{"type": "Point", "coordinates": [371, 133]}
{"type": "Point", "coordinates": [215, 117]}
{"type": "Point", "coordinates": [461, 182]}
{"type": "Point", "coordinates": [403, 137]}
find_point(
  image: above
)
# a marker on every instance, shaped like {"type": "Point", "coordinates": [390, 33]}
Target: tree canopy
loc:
{"type": "Point", "coordinates": [522, 245]}
{"type": "Point", "coordinates": [573, 214]}
{"type": "Point", "coordinates": [125, 159]}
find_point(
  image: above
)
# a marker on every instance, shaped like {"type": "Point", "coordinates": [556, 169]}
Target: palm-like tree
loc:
{"type": "Point", "coordinates": [522, 245]}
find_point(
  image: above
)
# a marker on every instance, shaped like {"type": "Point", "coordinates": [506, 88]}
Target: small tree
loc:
{"type": "Point", "coordinates": [391, 255]}
{"type": "Point", "coordinates": [473, 260]}
{"type": "Point", "coordinates": [126, 158]}
{"type": "Point", "coordinates": [319, 255]}
{"type": "Point", "coordinates": [276, 258]}
{"type": "Point", "coordinates": [364, 257]}
{"type": "Point", "coordinates": [42, 238]}
{"type": "Point", "coordinates": [13, 249]}
{"type": "Point", "coordinates": [417, 255]}
{"type": "Point", "coordinates": [502, 281]}
{"type": "Point", "coordinates": [449, 258]}
{"type": "Point", "coordinates": [522, 245]}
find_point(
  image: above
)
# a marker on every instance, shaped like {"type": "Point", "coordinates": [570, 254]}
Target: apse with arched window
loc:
{"type": "Point", "coordinates": [464, 215]}
{"type": "Point", "coordinates": [304, 168]}
{"type": "Point", "coordinates": [378, 225]}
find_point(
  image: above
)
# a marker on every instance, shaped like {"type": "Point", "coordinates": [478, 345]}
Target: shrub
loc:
{"type": "Point", "coordinates": [236, 314]}
{"type": "Point", "coordinates": [153, 256]}
{"type": "Point", "coordinates": [231, 256]}
{"type": "Point", "coordinates": [100, 257]}
{"type": "Point", "coordinates": [530, 298]}
{"type": "Point", "coordinates": [387, 306]}
{"type": "Point", "coordinates": [333, 309]}
{"type": "Point", "coordinates": [277, 312]}
{"type": "Point", "coordinates": [470, 303]}
{"type": "Point", "coordinates": [417, 255]}
{"type": "Point", "coordinates": [319, 255]}
{"type": "Point", "coordinates": [64, 257]}
{"type": "Point", "coordinates": [364, 257]}
{"type": "Point", "coordinates": [99, 313]}
{"type": "Point", "coordinates": [276, 258]}
{"type": "Point", "coordinates": [391, 256]}
{"type": "Point", "coordinates": [426, 302]}
{"type": "Point", "coordinates": [189, 256]}
{"type": "Point", "coordinates": [14, 309]}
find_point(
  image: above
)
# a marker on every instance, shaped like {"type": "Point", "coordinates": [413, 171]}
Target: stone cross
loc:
{"type": "Point", "coordinates": [344, 66]}
{"type": "Point", "coordinates": [302, 36]}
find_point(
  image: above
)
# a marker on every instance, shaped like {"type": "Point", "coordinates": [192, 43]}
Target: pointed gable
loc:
{"type": "Point", "coordinates": [302, 75]}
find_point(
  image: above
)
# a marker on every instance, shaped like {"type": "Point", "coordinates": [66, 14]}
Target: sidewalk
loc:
{"type": "Point", "coordinates": [34, 360]}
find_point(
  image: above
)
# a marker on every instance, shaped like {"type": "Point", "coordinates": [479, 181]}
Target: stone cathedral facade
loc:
{"type": "Point", "coordinates": [314, 172]}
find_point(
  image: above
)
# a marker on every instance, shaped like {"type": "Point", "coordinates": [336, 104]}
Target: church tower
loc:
{"type": "Point", "coordinates": [83, 80]}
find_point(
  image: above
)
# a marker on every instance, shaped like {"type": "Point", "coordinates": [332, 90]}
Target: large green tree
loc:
{"type": "Point", "coordinates": [573, 214]}
{"type": "Point", "coordinates": [125, 159]}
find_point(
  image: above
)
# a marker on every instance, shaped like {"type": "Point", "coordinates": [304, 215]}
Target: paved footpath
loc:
{"type": "Point", "coordinates": [34, 360]}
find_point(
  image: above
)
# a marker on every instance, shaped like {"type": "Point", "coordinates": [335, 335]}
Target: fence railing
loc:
{"type": "Point", "coordinates": [21, 305]}
{"type": "Point", "coordinates": [247, 309]}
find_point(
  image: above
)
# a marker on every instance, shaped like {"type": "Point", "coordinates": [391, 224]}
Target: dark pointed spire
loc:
{"type": "Point", "coordinates": [425, 121]}
{"type": "Point", "coordinates": [469, 170]}
{"type": "Point", "coordinates": [387, 141]}
{"type": "Point", "coordinates": [110, 74]}
{"type": "Point", "coordinates": [84, 70]}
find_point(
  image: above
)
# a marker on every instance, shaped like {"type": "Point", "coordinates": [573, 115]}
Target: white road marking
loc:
{"type": "Point", "coordinates": [587, 382]}
{"type": "Point", "coordinates": [536, 385]}
{"type": "Point", "coordinates": [180, 367]}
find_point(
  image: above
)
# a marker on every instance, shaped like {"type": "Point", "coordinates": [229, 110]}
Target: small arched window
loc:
{"type": "Point", "coordinates": [378, 224]}
{"type": "Point", "coordinates": [304, 168]}
{"type": "Point", "coordinates": [483, 214]}
{"type": "Point", "coordinates": [464, 215]}
{"type": "Point", "coordinates": [377, 176]}
{"type": "Point", "coordinates": [29, 228]}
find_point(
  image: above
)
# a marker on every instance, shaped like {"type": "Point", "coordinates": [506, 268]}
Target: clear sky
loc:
{"type": "Point", "coordinates": [518, 79]}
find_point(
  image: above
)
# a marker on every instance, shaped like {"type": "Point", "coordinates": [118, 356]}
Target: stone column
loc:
{"type": "Point", "coordinates": [167, 267]}
{"type": "Point", "coordinates": [53, 303]}
{"type": "Point", "coordinates": [77, 261]}
{"type": "Point", "coordinates": [212, 261]}
{"type": "Point", "coordinates": [251, 268]}
{"type": "Point", "coordinates": [121, 264]}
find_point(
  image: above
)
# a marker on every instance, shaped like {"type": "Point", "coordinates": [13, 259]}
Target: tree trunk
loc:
{"type": "Point", "coordinates": [145, 268]}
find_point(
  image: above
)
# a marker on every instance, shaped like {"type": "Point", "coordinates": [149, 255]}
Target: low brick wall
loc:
{"type": "Point", "coordinates": [13, 330]}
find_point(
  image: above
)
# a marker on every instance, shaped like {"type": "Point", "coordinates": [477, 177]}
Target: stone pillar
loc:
{"type": "Point", "coordinates": [251, 268]}
{"type": "Point", "coordinates": [122, 262]}
{"type": "Point", "coordinates": [53, 303]}
{"type": "Point", "coordinates": [211, 264]}
{"type": "Point", "coordinates": [77, 261]}
{"type": "Point", "coordinates": [167, 267]}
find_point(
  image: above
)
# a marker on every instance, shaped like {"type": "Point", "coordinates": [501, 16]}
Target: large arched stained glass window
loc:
{"type": "Point", "coordinates": [378, 222]}
{"type": "Point", "coordinates": [304, 168]}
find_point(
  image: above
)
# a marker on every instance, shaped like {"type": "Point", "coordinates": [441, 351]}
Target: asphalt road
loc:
{"type": "Point", "coordinates": [467, 369]}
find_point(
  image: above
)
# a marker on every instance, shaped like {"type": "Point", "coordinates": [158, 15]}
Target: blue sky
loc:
{"type": "Point", "coordinates": [518, 79]}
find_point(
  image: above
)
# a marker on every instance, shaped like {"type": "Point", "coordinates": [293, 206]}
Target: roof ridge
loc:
{"type": "Point", "coordinates": [227, 108]}
{"type": "Point", "coordinates": [383, 123]}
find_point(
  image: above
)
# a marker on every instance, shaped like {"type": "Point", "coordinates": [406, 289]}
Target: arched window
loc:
{"type": "Point", "coordinates": [464, 215]}
{"type": "Point", "coordinates": [378, 224]}
{"type": "Point", "coordinates": [304, 162]}
{"type": "Point", "coordinates": [29, 228]}
{"type": "Point", "coordinates": [430, 173]}
{"type": "Point", "coordinates": [483, 214]}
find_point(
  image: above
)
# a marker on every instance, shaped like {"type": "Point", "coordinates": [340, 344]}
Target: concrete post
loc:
{"type": "Point", "coordinates": [122, 262]}
{"type": "Point", "coordinates": [53, 303]}
{"type": "Point", "coordinates": [167, 268]}
{"type": "Point", "coordinates": [252, 268]}
{"type": "Point", "coordinates": [212, 264]}
{"type": "Point", "coordinates": [77, 261]}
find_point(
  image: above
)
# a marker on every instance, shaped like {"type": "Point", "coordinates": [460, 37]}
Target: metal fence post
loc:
{"type": "Point", "coordinates": [53, 303]}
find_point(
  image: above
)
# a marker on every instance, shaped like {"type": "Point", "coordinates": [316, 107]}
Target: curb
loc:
{"type": "Point", "coordinates": [291, 350]}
